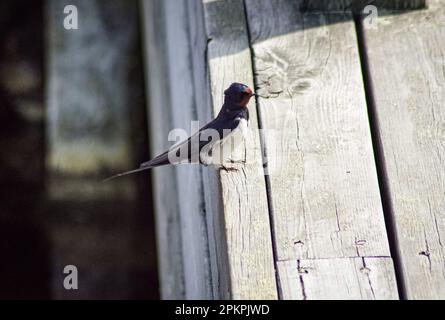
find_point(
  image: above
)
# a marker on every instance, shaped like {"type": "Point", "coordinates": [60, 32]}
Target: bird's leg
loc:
{"type": "Point", "coordinates": [227, 168]}
{"type": "Point", "coordinates": [232, 164]}
{"type": "Point", "coordinates": [237, 161]}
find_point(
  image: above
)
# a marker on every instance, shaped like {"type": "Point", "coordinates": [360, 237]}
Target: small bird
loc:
{"type": "Point", "coordinates": [204, 147]}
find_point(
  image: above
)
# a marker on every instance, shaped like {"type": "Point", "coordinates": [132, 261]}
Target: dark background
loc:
{"type": "Point", "coordinates": [112, 243]}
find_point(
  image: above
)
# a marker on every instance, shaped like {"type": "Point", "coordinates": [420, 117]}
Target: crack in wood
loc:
{"type": "Point", "coordinates": [303, 288]}
{"type": "Point", "coordinates": [367, 271]}
{"type": "Point", "coordinates": [426, 253]}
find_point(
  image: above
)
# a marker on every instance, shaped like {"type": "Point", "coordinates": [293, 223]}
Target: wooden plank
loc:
{"type": "Point", "coordinates": [405, 55]}
{"type": "Point", "coordinates": [168, 225]}
{"type": "Point", "coordinates": [324, 187]}
{"type": "Point", "coordinates": [323, 180]}
{"type": "Point", "coordinates": [229, 229]}
{"type": "Point", "coordinates": [241, 221]}
{"type": "Point", "coordinates": [339, 279]}
{"type": "Point", "coordinates": [218, 255]}
{"type": "Point", "coordinates": [195, 246]}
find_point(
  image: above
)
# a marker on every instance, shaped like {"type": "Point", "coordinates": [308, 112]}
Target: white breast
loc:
{"type": "Point", "coordinates": [243, 127]}
{"type": "Point", "coordinates": [230, 146]}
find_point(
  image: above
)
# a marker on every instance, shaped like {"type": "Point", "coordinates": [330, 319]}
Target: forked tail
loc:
{"type": "Point", "coordinates": [127, 173]}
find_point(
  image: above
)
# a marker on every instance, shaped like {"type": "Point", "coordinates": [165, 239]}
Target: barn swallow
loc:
{"type": "Point", "coordinates": [201, 147]}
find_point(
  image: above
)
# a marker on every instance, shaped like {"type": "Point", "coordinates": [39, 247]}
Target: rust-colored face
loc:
{"type": "Point", "coordinates": [247, 95]}
{"type": "Point", "coordinates": [238, 95]}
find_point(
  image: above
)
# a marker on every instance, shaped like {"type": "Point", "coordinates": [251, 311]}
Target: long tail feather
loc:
{"type": "Point", "coordinates": [127, 173]}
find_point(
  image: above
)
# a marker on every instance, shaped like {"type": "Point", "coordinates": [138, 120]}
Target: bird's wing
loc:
{"type": "Point", "coordinates": [171, 156]}
{"type": "Point", "coordinates": [182, 151]}
{"type": "Point", "coordinates": [232, 136]}
{"type": "Point", "coordinates": [160, 160]}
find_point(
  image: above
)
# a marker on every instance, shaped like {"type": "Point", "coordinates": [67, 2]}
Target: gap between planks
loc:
{"type": "Point", "coordinates": [377, 244]}
{"type": "Point", "coordinates": [264, 159]}
{"type": "Point", "coordinates": [408, 101]}
{"type": "Point", "coordinates": [379, 158]}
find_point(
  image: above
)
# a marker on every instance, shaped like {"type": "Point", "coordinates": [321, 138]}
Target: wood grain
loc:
{"type": "Point", "coordinates": [189, 180]}
{"type": "Point", "coordinates": [406, 57]}
{"type": "Point", "coordinates": [166, 202]}
{"type": "Point", "coordinates": [221, 216]}
{"type": "Point", "coordinates": [95, 122]}
{"type": "Point", "coordinates": [324, 185]}
{"type": "Point", "coordinates": [338, 279]}
{"type": "Point", "coordinates": [243, 198]}
{"type": "Point", "coordinates": [323, 181]}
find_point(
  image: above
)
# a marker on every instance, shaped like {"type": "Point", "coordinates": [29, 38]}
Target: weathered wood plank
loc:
{"type": "Point", "coordinates": [242, 194]}
{"type": "Point", "coordinates": [195, 244]}
{"type": "Point", "coordinates": [323, 180]}
{"type": "Point", "coordinates": [237, 242]}
{"type": "Point", "coordinates": [166, 202]}
{"type": "Point", "coordinates": [406, 57]}
{"type": "Point", "coordinates": [339, 279]}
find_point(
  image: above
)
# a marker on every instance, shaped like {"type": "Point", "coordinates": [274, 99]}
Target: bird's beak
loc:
{"type": "Point", "coordinates": [254, 95]}
{"type": "Point", "coordinates": [249, 91]}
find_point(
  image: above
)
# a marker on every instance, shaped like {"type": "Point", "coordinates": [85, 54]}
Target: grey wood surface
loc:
{"type": "Point", "coordinates": [165, 185]}
{"type": "Point", "coordinates": [343, 278]}
{"type": "Point", "coordinates": [243, 199]}
{"type": "Point", "coordinates": [407, 68]}
{"type": "Point", "coordinates": [195, 243]}
{"type": "Point", "coordinates": [322, 186]}
{"type": "Point", "coordinates": [323, 180]}
{"type": "Point", "coordinates": [225, 249]}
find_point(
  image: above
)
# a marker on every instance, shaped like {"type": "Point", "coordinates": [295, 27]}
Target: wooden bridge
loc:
{"type": "Point", "coordinates": [343, 192]}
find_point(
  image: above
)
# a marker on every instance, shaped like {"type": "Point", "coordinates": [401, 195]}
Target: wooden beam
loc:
{"type": "Point", "coordinates": [405, 55]}
{"type": "Point", "coordinates": [323, 181]}
{"type": "Point", "coordinates": [165, 184]}
{"type": "Point", "coordinates": [242, 197]}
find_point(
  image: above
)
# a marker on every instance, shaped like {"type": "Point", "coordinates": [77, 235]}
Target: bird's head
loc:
{"type": "Point", "coordinates": [238, 95]}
